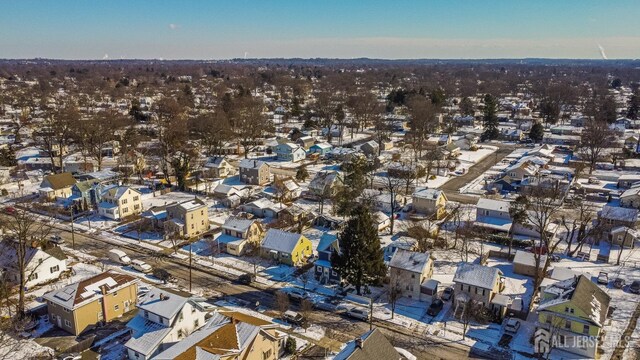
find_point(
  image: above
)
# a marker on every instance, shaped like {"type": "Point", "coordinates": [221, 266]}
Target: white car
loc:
{"type": "Point", "coordinates": [512, 325]}
{"type": "Point", "coordinates": [141, 266]}
{"type": "Point", "coordinates": [358, 313]}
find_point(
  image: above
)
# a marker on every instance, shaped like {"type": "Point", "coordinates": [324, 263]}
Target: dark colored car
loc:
{"type": "Point", "coordinates": [447, 294]}
{"type": "Point", "coordinates": [246, 279]}
{"type": "Point", "coordinates": [435, 307]}
{"type": "Point", "coordinates": [635, 287]}
{"type": "Point", "coordinates": [618, 283]}
{"type": "Point", "coordinates": [162, 274]}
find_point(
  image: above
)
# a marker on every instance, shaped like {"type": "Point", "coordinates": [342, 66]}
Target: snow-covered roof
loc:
{"type": "Point", "coordinates": [431, 194]}
{"type": "Point", "coordinates": [410, 260]}
{"type": "Point", "coordinates": [490, 204]}
{"type": "Point", "coordinates": [237, 224]}
{"type": "Point", "coordinates": [281, 241]}
{"type": "Point", "coordinates": [146, 335]}
{"type": "Point", "coordinates": [251, 164]}
{"type": "Point", "coordinates": [163, 302]}
{"type": "Point", "coordinates": [477, 275]}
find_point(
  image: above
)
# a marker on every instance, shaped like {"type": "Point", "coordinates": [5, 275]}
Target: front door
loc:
{"type": "Point", "coordinates": [59, 321]}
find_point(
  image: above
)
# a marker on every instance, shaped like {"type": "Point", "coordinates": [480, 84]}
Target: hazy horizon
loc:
{"type": "Point", "coordinates": [216, 30]}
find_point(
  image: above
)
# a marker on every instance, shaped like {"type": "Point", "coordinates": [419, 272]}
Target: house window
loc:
{"type": "Point", "coordinates": [33, 276]}
{"type": "Point", "coordinates": [483, 290]}
{"type": "Point", "coordinates": [116, 307]}
{"type": "Point", "coordinates": [201, 212]}
{"type": "Point", "coordinates": [196, 323]}
{"type": "Point", "coordinates": [266, 355]}
{"type": "Point", "coordinates": [136, 206]}
{"type": "Point", "coordinates": [115, 293]}
{"type": "Point", "coordinates": [146, 314]}
{"type": "Point", "coordinates": [124, 210]}
{"type": "Point", "coordinates": [193, 309]}
{"type": "Point", "coordinates": [180, 334]}
{"type": "Point", "coordinates": [66, 310]}
{"type": "Point", "coordinates": [135, 198]}
{"type": "Point", "coordinates": [486, 212]}
{"type": "Point", "coordinates": [413, 276]}
{"type": "Point", "coordinates": [547, 319]}
{"type": "Point", "coordinates": [124, 201]}
{"type": "Point", "coordinates": [67, 323]}
{"type": "Point", "coordinates": [585, 329]}
{"type": "Point", "coordinates": [318, 269]}
{"type": "Point", "coordinates": [567, 324]}
{"type": "Point", "coordinates": [333, 273]}
{"type": "Point", "coordinates": [180, 317]}
{"type": "Point", "coordinates": [54, 269]}
{"type": "Point", "coordinates": [192, 226]}
{"type": "Point", "coordinates": [53, 316]}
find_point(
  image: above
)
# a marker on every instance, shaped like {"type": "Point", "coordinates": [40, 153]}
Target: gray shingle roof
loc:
{"type": "Point", "coordinates": [281, 241]}
{"type": "Point", "coordinates": [477, 275]}
{"type": "Point", "coordinates": [374, 346]}
{"type": "Point", "coordinates": [409, 260]}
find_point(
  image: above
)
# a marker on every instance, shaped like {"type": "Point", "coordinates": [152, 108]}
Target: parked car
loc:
{"type": "Point", "coordinates": [293, 317]}
{"type": "Point", "coordinates": [141, 266]}
{"type": "Point", "coordinates": [447, 294]}
{"type": "Point", "coordinates": [72, 356]}
{"type": "Point", "coordinates": [603, 278]}
{"type": "Point", "coordinates": [246, 279]}
{"type": "Point", "coordinates": [119, 256]}
{"type": "Point", "coordinates": [9, 210]}
{"type": "Point", "coordinates": [56, 239]}
{"type": "Point", "coordinates": [357, 313]}
{"type": "Point", "coordinates": [297, 294]}
{"type": "Point", "coordinates": [593, 180]}
{"type": "Point", "coordinates": [619, 283]}
{"type": "Point", "coordinates": [635, 287]}
{"type": "Point", "coordinates": [163, 275]}
{"type": "Point", "coordinates": [512, 325]}
{"type": "Point", "coordinates": [435, 307]}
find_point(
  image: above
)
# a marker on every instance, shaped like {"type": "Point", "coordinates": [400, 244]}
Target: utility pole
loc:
{"type": "Point", "coordinates": [370, 313]}
{"type": "Point", "coordinates": [73, 238]}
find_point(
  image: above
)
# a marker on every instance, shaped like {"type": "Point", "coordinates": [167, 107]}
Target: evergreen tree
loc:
{"type": "Point", "coordinates": [466, 107]}
{"type": "Point", "coordinates": [550, 111]}
{"type": "Point", "coordinates": [634, 107]}
{"type": "Point", "coordinates": [490, 119]}
{"type": "Point", "coordinates": [354, 184]}
{"type": "Point", "coordinates": [360, 261]}
{"type": "Point", "coordinates": [302, 174]}
{"type": "Point", "coordinates": [537, 132]}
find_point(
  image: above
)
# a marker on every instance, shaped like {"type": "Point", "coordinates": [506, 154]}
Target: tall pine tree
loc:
{"type": "Point", "coordinates": [360, 261]}
{"type": "Point", "coordinates": [490, 119]}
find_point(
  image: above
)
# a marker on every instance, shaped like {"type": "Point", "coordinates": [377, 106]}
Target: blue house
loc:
{"type": "Point", "coordinates": [321, 148]}
{"type": "Point", "coordinates": [323, 271]}
{"type": "Point", "coordinates": [290, 152]}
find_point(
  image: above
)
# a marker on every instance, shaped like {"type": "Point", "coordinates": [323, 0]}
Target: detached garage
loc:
{"type": "Point", "coordinates": [524, 263]}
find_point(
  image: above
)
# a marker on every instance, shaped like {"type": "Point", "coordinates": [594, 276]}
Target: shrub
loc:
{"type": "Point", "coordinates": [290, 346]}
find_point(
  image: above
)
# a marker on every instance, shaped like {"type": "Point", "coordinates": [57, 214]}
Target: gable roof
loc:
{"type": "Point", "coordinates": [237, 224]}
{"type": "Point", "coordinates": [117, 192]}
{"type": "Point", "coordinates": [490, 204]}
{"type": "Point", "coordinates": [226, 333]}
{"type": "Point", "coordinates": [89, 289]}
{"type": "Point", "coordinates": [477, 275]}
{"type": "Point", "coordinates": [371, 345]}
{"type": "Point", "coordinates": [60, 181]}
{"type": "Point", "coordinates": [410, 260]}
{"type": "Point", "coordinates": [251, 164]}
{"type": "Point", "coordinates": [582, 293]}
{"type": "Point", "coordinates": [281, 241]}
{"type": "Point", "coordinates": [164, 302]}
{"type": "Point", "coordinates": [430, 194]}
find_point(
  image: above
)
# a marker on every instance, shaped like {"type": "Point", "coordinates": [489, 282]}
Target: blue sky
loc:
{"type": "Point", "coordinates": [95, 29]}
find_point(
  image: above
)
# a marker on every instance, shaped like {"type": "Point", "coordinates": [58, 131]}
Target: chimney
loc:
{"type": "Point", "coordinates": [161, 296]}
{"type": "Point", "coordinates": [359, 343]}
{"type": "Point", "coordinates": [103, 289]}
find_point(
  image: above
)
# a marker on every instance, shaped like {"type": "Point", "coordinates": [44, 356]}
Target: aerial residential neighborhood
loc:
{"type": "Point", "coordinates": [308, 180]}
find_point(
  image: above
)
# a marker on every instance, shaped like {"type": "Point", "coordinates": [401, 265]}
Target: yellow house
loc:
{"type": "Point", "coordinates": [238, 233]}
{"type": "Point", "coordinates": [83, 304]}
{"type": "Point", "coordinates": [574, 311]}
{"type": "Point", "coordinates": [120, 202]}
{"type": "Point", "coordinates": [229, 335]}
{"type": "Point", "coordinates": [430, 202]}
{"type": "Point", "coordinates": [189, 218]}
{"type": "Point", "coordinates": [57, 186]}
{"type": "Point", "coordinates": [285, 247]}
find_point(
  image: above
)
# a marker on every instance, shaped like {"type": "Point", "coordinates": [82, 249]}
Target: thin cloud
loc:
{"type": "Point", "coordinates": [602, 53]}
{"type": "Point", "coordinates": [174, 26]}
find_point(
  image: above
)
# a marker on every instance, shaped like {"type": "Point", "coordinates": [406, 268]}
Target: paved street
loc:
{"type": "Point", "coordinates": [341, 328]}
